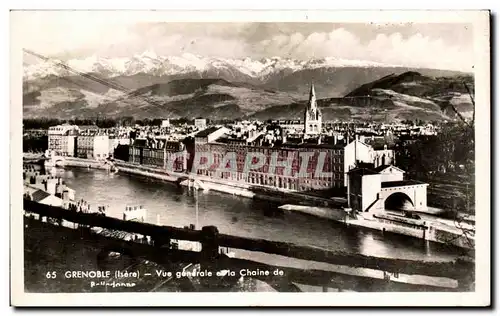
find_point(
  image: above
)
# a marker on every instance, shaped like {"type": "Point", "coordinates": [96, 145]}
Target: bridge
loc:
{"type": "Point", "coordinates": [62, 161]}
{"type": "Point", "coordinates": [406, 194]}
{"type": "Point", "coordinates": [386, 274]}
{"type": "Point", "coordinates": [376, 190]}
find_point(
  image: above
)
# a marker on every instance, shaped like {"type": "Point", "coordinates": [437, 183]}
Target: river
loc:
{"type": "Point", "coordinates": [168, 204]}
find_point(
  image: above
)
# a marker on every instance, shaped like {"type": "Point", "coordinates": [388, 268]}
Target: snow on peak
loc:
{"type": "Point", "coordinates": [150, 62]}
{"type": "Point", "coordinates": [148, 54]}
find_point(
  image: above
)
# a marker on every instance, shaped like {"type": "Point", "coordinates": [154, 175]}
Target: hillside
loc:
{"type": "Point", "coordinates": [359, 92]}
{"type": "Point", "coordinates": [339, 81]}
{"type": "Point", "coordinates": [211, 98]}
{"type": "Point", "coordinates": [407, 96]}
{"type": "Point", "coordinates": [414, 89]}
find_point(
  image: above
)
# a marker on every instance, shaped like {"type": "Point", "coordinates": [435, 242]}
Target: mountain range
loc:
{"type": "Point", "coordinates": [189, 86]}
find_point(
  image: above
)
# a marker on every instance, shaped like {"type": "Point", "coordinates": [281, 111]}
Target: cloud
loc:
{"type": "Point", "coordinates": [421, 51]}
{"type": "Point", "coordinates": [85, 34]}
{"type": "Point", "coordinates": [416, 50]}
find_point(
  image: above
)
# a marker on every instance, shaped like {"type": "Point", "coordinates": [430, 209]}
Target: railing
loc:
{"type": "Point", "coordinates": [460, 270]}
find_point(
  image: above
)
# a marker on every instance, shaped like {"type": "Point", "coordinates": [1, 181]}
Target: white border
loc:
{"type": "Point", "coordinates": [479, 298]}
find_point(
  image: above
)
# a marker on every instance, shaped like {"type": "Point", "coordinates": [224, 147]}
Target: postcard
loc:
{"type": "Point", "coordinates": [250, 158]}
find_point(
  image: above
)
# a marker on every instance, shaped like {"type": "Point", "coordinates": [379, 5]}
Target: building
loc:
{"type": "Point", "coordinates": [210, 134]}
{"type": "Point", "coordinates": [289, 126]}
{"type": "Point", "coordinates": [165, 123]}
{"type": "Point", "coordinates": [46, 189]}
{"type": "Point", "coordinates": [136, 150]}
{"type": "Point", "coordinates": [159, 153]}
{"type": "Point", "coordinates": [176, 156]}
{"type": "Point", "coordinates": [88, 128]}
{"type": "Point", "coordinates": [390, 173]}
{"type": "Point", "coordinates": [93, 146]}
{"type": "Point", "coordinates": [153, 152]}
{"type": "Point", "coordinates": [375, 190]}
{"type": "Point", "coordinates": [200, 123]}
{"type": "Point", "coordinates": [270, 162]}
{"type": "Point", "coordinates": [41, 196]}
{"type": "Point", "coordinates": [62, 139]}
{"type": "Point", "coordinates": [114, 142]}
{"type": "Point", "coordinates": [312, 116]}
{"type": "Point", "coordinates": [358, 152]}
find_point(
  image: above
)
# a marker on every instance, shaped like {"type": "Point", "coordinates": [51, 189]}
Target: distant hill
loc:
{"type": "Point", "coordinates": [407, 96]}
{"type": "Point", "coordinates": [211, 98]}
{"type": "Point", "coordinates": [339, 81]}
{"type": "Point", "coordinates": [376, 93]}
{"type": "Point", "coordinates": [416, 90]}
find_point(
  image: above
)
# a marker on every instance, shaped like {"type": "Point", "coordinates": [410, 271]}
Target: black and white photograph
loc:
{"type": "Point", "coordinates": [330, 154]}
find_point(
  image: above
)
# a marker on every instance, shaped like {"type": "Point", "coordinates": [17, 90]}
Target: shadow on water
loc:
{"type": "Point", "coordinates": [268, 209]}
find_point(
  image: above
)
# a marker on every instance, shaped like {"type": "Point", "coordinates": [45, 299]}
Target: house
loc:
{"type": "Point", "coordinates": [62, 139]}
{"type": "Point", "coordinates": [390, 173]}
{"type": "Point", "coordinates": [358, 152]}
{"type": "Point", "coordinates": [384, 188]}
{"type": "Point", "coordinates": [93, 146]}
{"type": "Point", "coordinates": [200, 123]}
{"type": "Point", "coordinates": [210, 134]}
{"type": "Point", "coordinates": [41, 196]}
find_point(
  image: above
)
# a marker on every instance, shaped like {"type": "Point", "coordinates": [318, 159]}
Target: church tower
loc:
{"type": "Point", "coordinates": [312, 116]}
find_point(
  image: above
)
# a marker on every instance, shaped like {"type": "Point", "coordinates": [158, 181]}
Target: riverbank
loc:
{"type": "Point", "coordinates": [434, 229]}
{"type": "Point", "coordinates": [266, 193]}
{"type": "Point", "coordinates": [79, 163]}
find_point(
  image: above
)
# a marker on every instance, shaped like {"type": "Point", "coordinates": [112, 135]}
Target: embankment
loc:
{"type": "Point", "coordinates": [266, 193]}
{"type": "Point", "coordinates": [154, 173]}
{"type": "Point", "coordinates": [86, 163]}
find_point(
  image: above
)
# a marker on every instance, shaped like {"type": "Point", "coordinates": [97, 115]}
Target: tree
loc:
{"type": "Point", "coordinates": [452, 148]}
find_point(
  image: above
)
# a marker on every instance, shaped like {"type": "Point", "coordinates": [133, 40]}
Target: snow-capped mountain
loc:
{"type": "Point", "coordinates": [148, 85]}
{"type": "Point", "coordinates": [150, 63]}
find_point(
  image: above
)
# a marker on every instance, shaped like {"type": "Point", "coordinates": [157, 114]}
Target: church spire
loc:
{"type": "Point", "coordinates": [312, 94]}
{"type": "Point", "coordinates": [312, 97]}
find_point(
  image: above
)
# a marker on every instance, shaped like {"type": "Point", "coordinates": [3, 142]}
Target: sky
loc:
{"type": "Point", "coordinates": [441, 46]}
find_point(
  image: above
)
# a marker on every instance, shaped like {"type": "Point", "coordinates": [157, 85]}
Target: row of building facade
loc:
{"type": "Point", "coordinates": [87, 142]}
{"type": "Point", "coordinates": [289, 166]}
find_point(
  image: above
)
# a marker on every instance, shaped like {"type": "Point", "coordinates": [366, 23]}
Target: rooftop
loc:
{"type": "Point", "coordinates": [378, 143]}
{"type": "Point", "coordinates": [39, 195]}
{"type": "Point", "coordinates": [206, 132]}
{"type": "Point", "coordinates": [402, 183]}
{"type": "Point", "coordinates": [362, 171]}
{"type": "Point", "coordinates": [383, 167]}
{"type": "Point", "coordinates": [87, 127]}
{"type": "Point", "coordinates": [366, 165]}
{"type": "Point", "coordinates": [140, 142]}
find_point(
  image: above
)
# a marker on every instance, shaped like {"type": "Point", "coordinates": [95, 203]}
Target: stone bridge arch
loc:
{"type": "Point", "coordinates": [404, 195]}
{"type": "Point", "coordinates": [399, 201]}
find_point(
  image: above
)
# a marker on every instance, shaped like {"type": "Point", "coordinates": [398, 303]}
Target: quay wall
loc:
{"type": "Point", "coordinates": [457, 238]}
{"type": "Point", "coordinates": [86, 163]}
{"type": "Point", "coordinates": [154, 173]}
{"type": "Point", "coordinates": [437, 234]}
{"type": "Point", "coordinates": [224, 186]}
